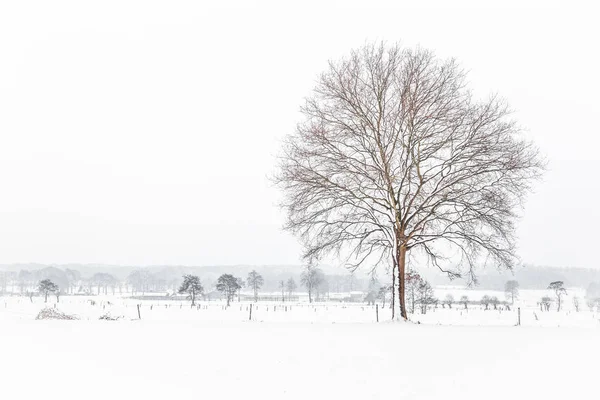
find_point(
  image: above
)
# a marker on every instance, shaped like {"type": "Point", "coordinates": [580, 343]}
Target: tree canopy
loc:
{"type": "Point", "coordinates": [395, 154]}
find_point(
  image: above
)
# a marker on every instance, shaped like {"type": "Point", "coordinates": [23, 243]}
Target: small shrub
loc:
{"type": "Point", "coordinates": [109, 317]}
{"type": "Point", "coordinates": [50, 313]}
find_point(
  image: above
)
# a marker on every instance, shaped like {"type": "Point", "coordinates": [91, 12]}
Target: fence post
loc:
{"type": "Point", "coordinates": [377, 312]}
{"type": "Point", "coordinates": [519, 314]}
{"type": "Point", "coordinates": [139, 314]}
{"type": "Point", "coordinates": [250, 316]}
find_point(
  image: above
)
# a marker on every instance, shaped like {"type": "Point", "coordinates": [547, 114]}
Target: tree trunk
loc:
{"type": "Point", "coordinates": [394, 292]}
{"type": "Point", "coordinates": [401, 262]}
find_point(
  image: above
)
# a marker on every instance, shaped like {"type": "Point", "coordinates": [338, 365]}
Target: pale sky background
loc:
{"type": "Point", "coordinates": [143, 132]}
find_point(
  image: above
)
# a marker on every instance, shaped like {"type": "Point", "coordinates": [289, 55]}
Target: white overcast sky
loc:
{"type": "Point", "coordinates": [143, 132]}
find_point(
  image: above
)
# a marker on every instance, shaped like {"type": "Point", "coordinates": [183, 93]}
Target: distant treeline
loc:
{"type": "Point", "coordinates": [529, 277]}
{"type": "Point", "coordinates": [338, 278]}
{"type": "Point", "coordinates": [73, 278]}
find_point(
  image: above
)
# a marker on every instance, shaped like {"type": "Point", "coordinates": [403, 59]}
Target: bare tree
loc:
{"type": "Point", "coordinates": [559, 291]}
{"type": "Point", "coordinates": [592, 291]}
{"type": "Point", "coordinates": [373, 289]}
{"type": "Point", "coordinates": [425, 296]}
{"type": "Point", "coordinates": [413, 280]}
{"type": "Point", "coordinates": [291, 287]}
{"type": "Point", "coordinates": [485, 301]}
{"type": "Point", "coordinates": [393, 155]}
{"type": "Point", "coordinates": [322, 289]}
{"type": "Point", "coordinates": [191, 285]}
{"type": "Point", "coordinates": [311, 278]}
{"type": "Point", "coordinates": [228, 285]}
{"type": "Point", "coordinates": [464, 300]}
{"type": "Point", "coordinates": [351, 280]}
{"type": "Point", "coordinates": [139, 280]}
{"type": "Point", "coordinates": [449, 300]}
{"type": "Point", "coordinates": [282, 287]}
{"type": "Point", "coordinates": [494, 301]}
{"type": "Point", "coordinates": [590, 303]}
{"type": "Point", "coordinates": [511, 289]}
{"type": "Point", "coordinates": [104, 281]}
{"type": "Point", "coordinates": [46, 287]}
{"type": "Point", "coordinates": [255, 281]}
{"type": "Point", "coordinates": [25, 279]}
{"type": "Point", "coordinates": [545, 303]}
{"type": "Point", "coordinates": [73, 277]}
{"type": "Point", "coordinates": [383, 292]}
{"type": "Point", "coordinates": [241, 284]}
{"type": "Point", "coordinates": [576, 303]}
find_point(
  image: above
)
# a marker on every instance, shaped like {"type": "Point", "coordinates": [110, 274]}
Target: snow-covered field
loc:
{"type": "Point", "coordinates": [92, 307]}
{"type": "Point", "coordinates": [283, 360]}
{"type": "Point", "coordinates": [307, 352]}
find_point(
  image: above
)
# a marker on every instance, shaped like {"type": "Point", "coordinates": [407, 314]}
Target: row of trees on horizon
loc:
{"type": "Point", "coordinates": [143, 280]}
{"type": "Point", "coordinates": [420, 293]}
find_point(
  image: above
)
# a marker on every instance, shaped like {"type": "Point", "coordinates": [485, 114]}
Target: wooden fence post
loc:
{"type": "Point", "coordinates": [377, 312]}
{"type": "Point", "coordinates": [250, 316]}
{"type": "Point", "coordinates": [139, 314]}
{"type": "Point", "coordinates": [519, 314]}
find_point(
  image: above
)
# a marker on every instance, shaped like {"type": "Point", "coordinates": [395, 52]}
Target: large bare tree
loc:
{"type": "Point", "coordinates": [395, 155]}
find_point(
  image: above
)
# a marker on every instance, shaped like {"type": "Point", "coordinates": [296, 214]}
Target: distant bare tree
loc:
{"type": "Point", "coordinates": [511, 288]}
{"type": "Point", "coordinates": [191, 285]}
{"type": "Point", "coordinates": [590, 303]}
{"type": "Point", "coordinates": [46, 287]}
{"type": "Point", "coordinates": [73, 277]}
{"type": "Point", "coordinates": [241, 284]}
{"type": "Point", "coordinates": [413, 280]}
{"type": "Point", "coordinates": [394, 154]}
{"type": "Point", "coordinates": [425, 296]}
{"type": "Point", "coordinates": [351, 280]}
{"type": "Point", "coordinates": [311, 278]}
{"type": "Point", "coordinates": [494, 302]}
{"type": "Point", "coordinates": [228, 285]}
{"type": "Point", "coordinates": [291, 287]}
{"type": "Point", "coordinates": [485, 301]}
{"type": "Point", "coordinates": [282, 287]}
{"type": "Point", "coordinates": [559, 292]}
{"type": "Point", "coordinates": [576, 303]}
{"type": "Point", "coordinates": [449, 300]}
{"type": "Point", "coordinates": [545, 303]}
{"type": "Point", "coordinates": [592, 291]}
{"type": "Point", "coordinates": [139, 280]}
{"type": "Point", "coordinates": [255, 281]}
{"type": "Point", "coordinates": [25, 278]}
{"type": "Point", "coordinates": [322, 288]}
{"type": "Point", "coordinates": [383, 292]}
{"type": "Point", "coordinates": [373, 289]}
{"type": "Point", "coordinates": [464, 300]}
{"type": "Point", "coordinates": [104, 281]}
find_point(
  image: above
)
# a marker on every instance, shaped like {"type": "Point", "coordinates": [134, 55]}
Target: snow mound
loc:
{"type": "Point", "coordinates": [50, 313]}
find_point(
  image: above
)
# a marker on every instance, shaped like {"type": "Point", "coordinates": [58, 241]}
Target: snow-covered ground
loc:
{"type": "Point", "coordinates": [332, 351]}
{"type": "Point", "coordinates": [162, 309]}
{"type": "Point", "coordinates": [296, 350]}
{"type": "Point", "coordinates": [283, 360]}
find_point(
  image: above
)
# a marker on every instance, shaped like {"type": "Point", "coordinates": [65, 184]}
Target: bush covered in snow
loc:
{"type": "Point", "coordinates": [50, 313]}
